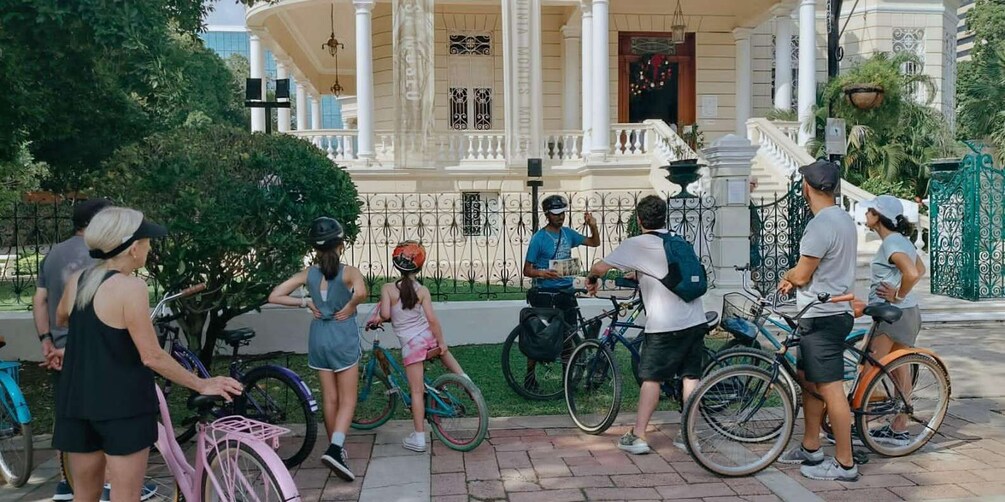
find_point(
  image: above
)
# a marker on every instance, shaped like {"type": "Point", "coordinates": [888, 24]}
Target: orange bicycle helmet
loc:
{"type": "Point", "coordinates": [409, 256]}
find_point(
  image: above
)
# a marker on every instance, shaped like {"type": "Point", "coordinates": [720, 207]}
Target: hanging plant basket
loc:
{"type": "Point", "coordinates": [864, 96]}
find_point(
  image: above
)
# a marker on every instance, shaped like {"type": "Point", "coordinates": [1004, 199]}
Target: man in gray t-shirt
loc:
{"type": "Point", "coordinates": [828, 252]}
{"type": "Point", "coordinates": [62, 261]}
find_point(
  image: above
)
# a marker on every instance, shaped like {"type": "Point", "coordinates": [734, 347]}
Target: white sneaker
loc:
{"type": "Point", "coordinates": [415, 441]}
{"type": "Point", "coordinates": [633, 444]}
{"type": "Point", "coordinates": [829, 470]}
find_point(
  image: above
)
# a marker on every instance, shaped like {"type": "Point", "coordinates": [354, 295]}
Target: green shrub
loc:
{"type": "Point", "coordinates": [238, 206]}
{"type": "Point", "coordinates": [28, 263]}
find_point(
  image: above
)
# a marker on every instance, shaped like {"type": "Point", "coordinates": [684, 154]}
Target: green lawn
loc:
{"type": "Point", "coordinates": [481, 362]}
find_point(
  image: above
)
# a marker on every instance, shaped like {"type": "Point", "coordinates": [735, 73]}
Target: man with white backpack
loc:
{"type": "Point", "coordinates": [672, 282]}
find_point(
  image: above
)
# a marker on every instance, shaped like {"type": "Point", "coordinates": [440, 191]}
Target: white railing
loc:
{"type": "Point", "coordinates": [668, 145]}
{"type": "Point", "coordinates": [563, 146]}
{"type": "Point", "coordinates": [445, 148]}
{"type": "Point", "coordinates": [778, 141]}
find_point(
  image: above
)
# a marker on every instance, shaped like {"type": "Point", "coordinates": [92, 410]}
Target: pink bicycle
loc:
{"type": "Point", "coordinates": [235, 458]}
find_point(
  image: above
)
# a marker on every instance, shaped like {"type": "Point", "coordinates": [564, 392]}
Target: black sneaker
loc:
{"type": "Point", "coordinates": [855, 438]}
{"type": "Point", "coordinates": [336, 460]}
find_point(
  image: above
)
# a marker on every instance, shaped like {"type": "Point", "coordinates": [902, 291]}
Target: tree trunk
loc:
{"type": "Point", "coordinates": [217, 324]}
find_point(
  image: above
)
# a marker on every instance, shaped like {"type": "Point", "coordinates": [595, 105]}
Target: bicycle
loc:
{"type": "Point", "coordinates": [450, 399]}
{"type": "Point", "coordinates": [273, 394]}
{"type": "Point", "coordinates": [225, 449]}
{"type": "Point", "coordinates": [745, 318]}
{"type": "Point", "coordinates": [727, 441]}
{"type": "Point", "coordinates": [542, 380]}
{"type": "Point", "coordinates": [592, 380]}
{"type": "Point", "coordinates": [15, 426]}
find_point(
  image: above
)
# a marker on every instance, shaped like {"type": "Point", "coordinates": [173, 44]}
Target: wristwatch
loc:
{"type": "Point", "coordinates": [43, 336]}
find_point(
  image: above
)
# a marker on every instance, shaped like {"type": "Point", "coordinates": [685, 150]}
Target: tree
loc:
{"type": "Point", "coordinates": [237, 205]}
{"type": "Point", "coordinates": [980, 87]}
{"type": "Point", "coordinates": [83, 78]}
{"type": "Point", "coordinates": [22, 174]}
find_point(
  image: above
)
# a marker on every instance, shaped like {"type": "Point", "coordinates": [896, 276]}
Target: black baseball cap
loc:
{"type": "Point", "coordinates": [822, 175]}
{"type": "Point", "coordinates": [84, 211]}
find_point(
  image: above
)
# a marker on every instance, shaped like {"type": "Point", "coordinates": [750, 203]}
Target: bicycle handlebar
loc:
{"type": "Point", "coordinates": [187, 292]}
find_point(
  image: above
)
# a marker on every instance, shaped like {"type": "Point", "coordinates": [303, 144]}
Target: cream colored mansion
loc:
{"type": "Point", "coordinates": [447, 96]}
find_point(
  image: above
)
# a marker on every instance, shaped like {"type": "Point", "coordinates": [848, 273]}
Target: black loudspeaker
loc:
{"type": "Point", "coordinates": [283, 88]}
{"type": "Point", "coordinates": [534, 168]}
{"type": "Point", "coordinates": [253, 90]}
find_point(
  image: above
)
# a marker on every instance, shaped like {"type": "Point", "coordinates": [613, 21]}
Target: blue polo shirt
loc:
{"type": "Point", "coordinates": [542, 249]}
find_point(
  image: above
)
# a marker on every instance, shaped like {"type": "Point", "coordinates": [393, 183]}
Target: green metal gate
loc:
{"type": "Point", "coordinates": [968, 230]}
{"type": "Point", "coordinates": [775, 230]}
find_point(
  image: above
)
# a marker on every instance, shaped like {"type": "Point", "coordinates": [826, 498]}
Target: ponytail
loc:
{"type": "Point", "coordinates": [902, 226]}
{"type": "Point", "coordinates": [328, 261]}
{"type": "Point", "coordinates": [409, 294]}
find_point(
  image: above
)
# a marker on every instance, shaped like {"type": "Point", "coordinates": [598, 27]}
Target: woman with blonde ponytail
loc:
{"type": "Point", "coordinates": [106, 405]}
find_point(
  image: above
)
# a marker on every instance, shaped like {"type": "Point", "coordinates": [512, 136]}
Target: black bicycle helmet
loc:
{"type": "Point", "coordinates": [554, 204]}
{"type": "Point", "coordinates": [325, 233]}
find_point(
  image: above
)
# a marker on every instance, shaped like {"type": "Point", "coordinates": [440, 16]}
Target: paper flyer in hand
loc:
{"type": "Point", "coordinates": [567, 268]}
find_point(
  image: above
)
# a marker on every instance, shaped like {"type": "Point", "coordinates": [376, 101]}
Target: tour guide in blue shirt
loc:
{"type": "Point", "coordinates": [555, 242]}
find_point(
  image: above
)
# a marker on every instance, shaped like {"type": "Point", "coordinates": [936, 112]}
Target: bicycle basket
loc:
{"type": "Point", "coordinates": [741, 316]}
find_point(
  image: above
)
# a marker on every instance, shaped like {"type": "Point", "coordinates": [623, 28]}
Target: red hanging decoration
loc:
{"type": "Point", "coordinates": [653, 74]}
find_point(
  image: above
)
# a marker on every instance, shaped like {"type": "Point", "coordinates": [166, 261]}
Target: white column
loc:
{"type": "Point", "coordinates": [744, 79]}
{"type": "Point", "coordinates": [257, 71]}
{"type": "Point", "coordinates": [283, 114]}
{"type": "Point", "coordinates": [587, 75]}
{"type": "Point", "coordinates": [570, 60]}
{"type": "Point", "coordinates": [315, 111]}
{"type": "Point", "coordinates": [364, 78]}
{"type": "Point", "coordinates": [301, 105]}
{"type": "Point", "coordinates": [807, 68]}
{"type": "Point", "coordinates": [783, 59]}
{"type": "Point", "coordinates": [601, 84]}
{"type": "Point", "coordinates": [523, 81]}
{"type": "Point", "coordinates": [729, 160]}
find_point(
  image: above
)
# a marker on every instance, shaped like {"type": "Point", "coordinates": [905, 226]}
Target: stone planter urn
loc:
{"type": "Point", "coordinates": [864, 96]}
{"type": "Point", "coordinates": [683, 173]}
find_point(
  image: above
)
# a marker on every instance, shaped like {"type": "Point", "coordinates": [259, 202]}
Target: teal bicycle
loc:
{"type": "Point", "coordinates": [15, 426]}
{"type": "Point", "coordinates": [455, 408]}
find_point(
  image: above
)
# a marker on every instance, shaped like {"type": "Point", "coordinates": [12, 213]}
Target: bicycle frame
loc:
{"type": "Point", "coordinates": [391, 370]}
{"type": "Point", "coordinates": [19, 406]}
{"type": "Point", "coordinates": [188, 476]}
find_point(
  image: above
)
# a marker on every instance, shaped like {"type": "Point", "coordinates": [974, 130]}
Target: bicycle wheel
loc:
{"type": "Point", "coordinates": [535, 380]}
{"type": "Point", "coordinates": [15, 439]}
{"type": "Point", "coordinates": [717, 431]}
{"type": "Point", "coordinates": [274, 397]}
{"type": "Point", "coordinates": [376, 402]}
{"type": "Point", "coordinates": [754, 357]}
{"type": "Point", "coordinates": [458, 415]}
{"type": "Point", "coordinates": [242, 470]}
{"type": "Point", "coordinates": [592, 387]}
{"type": "Point", "coordinates": [891, 403]}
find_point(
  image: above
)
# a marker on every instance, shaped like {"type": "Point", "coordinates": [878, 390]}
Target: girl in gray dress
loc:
{"type": "Point", "coordinates": [333, 347]}
{"type": "Point", "coordinates": [895, 271]}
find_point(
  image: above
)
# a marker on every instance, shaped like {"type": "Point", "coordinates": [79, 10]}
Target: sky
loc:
{"type": "Point", "coordinates": [225, 12]}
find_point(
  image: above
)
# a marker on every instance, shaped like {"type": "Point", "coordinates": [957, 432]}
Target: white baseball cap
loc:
{"type": "Point", "coordinates": [886, 206]}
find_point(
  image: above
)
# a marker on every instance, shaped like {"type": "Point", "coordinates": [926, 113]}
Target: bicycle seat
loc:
{"type": "Point", "coordinates": [236, 336]}
{"type": "Point", "coordinates": [883, 312]}
{"type": "Point", "coordinates": [711, 318]}
{"type": "Point", "coordinates": [203, 403]}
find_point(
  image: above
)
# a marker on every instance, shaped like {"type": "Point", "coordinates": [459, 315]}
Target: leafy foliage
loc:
{"type": "Point", "coordinates": [980, 87]}
{"type": "Point", "coordinates": [86, 77]}
{"type": "Point", "coordinates": [18, 175]}
{"type": "Point", "coordinates": [238, 206]}
{"type": "Point", "coordinates": [894, 142]}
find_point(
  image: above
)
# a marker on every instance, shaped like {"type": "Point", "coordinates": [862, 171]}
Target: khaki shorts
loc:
{"type": "Point", "coordinates": [905, 331]}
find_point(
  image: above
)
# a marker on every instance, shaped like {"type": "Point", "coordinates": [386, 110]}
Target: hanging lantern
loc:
{"type": "Point", "coordinates": [678, 26]}
{"type": "Point", "coordinates": [333, 46]}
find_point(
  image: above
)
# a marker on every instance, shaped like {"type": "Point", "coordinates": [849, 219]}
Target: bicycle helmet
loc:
{"type": "Point", "coordinates": [554, 204]}
{"type": "Point", "coordinates": [325, 233]}
{"type": "Point", "coordinates": [409, 256]}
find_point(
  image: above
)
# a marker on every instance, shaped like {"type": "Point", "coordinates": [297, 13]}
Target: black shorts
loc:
{"type": "Point", "coordinates": [821, 347]}
{"type": "Point", "coordinates": [672, 353]}
{"type": "Point", "coordinates": [122, 436]}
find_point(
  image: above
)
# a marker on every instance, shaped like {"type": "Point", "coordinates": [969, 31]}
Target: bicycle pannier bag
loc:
{"type": "Point", "coordinates": [686, 276]}
{"type": "Point", "coordinates": [543, 333]}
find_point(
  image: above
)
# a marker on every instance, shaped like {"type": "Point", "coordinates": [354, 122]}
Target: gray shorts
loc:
{"type": "Point", "coordinates": [905, 331]}
{"type": "Point", "coordinates": [821, 347]}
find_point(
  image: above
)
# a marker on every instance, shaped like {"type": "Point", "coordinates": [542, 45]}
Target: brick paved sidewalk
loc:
{"type": "Point", "coordinates": [542, 458]}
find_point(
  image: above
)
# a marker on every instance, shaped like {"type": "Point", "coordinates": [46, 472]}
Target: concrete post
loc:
{"type": "Point", "coordinates": [729, 161]}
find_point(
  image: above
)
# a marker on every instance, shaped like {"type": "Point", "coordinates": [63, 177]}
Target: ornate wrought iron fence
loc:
{"type": "Point", "coordinates": [775, 230]}
{"type": "Point", "coordinates": [476, 246]}
{"type": "Point", "coordinates": [968, 230]}
{"type": "Point", "coordinates": [27, 231]}
{"type": "Point", "coordinates": [476, 243]}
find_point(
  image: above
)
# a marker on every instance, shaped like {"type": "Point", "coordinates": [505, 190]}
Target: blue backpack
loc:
{"type": "Point", "coordinates": [686, 275]}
